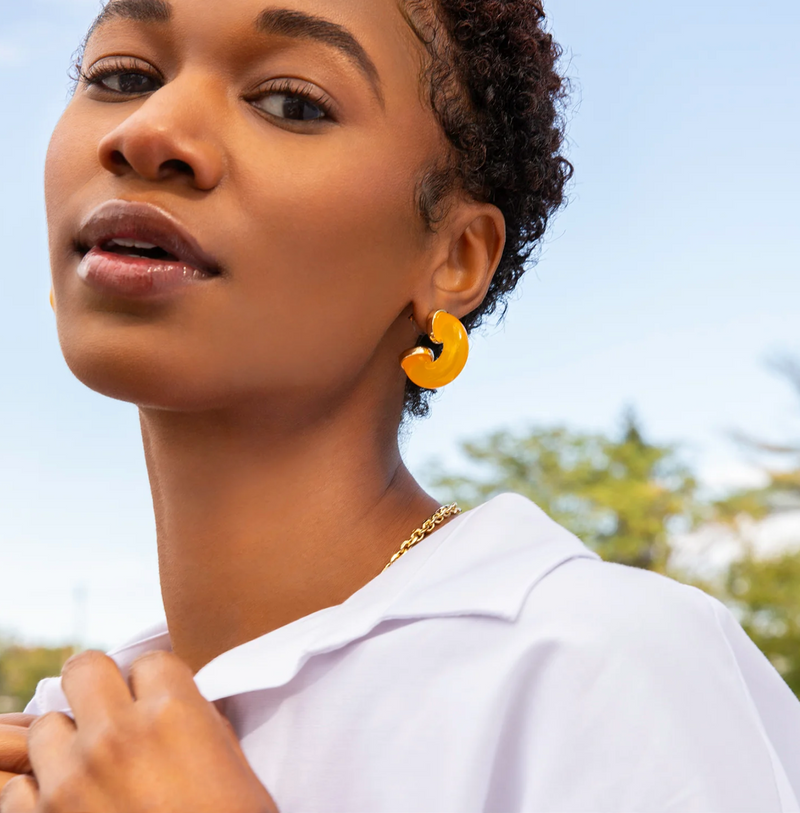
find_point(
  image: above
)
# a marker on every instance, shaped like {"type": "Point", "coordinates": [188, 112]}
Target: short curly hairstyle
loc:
{"type": "Point", "coordinates": [492, 79]}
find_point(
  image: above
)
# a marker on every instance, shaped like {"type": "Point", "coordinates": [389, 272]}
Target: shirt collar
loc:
{"type": "Point", "coordinates": [484, 562]}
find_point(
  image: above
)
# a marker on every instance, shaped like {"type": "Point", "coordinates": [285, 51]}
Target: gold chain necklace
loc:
{"type": "Point", "coordinates": [429, 525]}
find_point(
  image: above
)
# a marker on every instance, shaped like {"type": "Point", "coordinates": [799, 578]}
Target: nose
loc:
{"type": "Point", "coordinates": [168, 137]}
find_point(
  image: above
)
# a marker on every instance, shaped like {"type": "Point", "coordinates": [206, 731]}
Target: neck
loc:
{"type": "Point", "coordinates": [259, 525]}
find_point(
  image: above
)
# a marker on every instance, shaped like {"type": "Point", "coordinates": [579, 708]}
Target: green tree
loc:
{"type": "Point", "coordinates": [626, 496]}
{"type": "Point", "coordinates": [765, 592]}
{"type": "Point", "coordinates": [21, 668]}
{"type": "Point", "coordinates": [763, 589]}
{"type": "Point", "coordinates": [622, 495]}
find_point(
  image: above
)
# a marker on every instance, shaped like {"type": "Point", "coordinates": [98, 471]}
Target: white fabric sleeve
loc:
{"type": "Point", "coordinates": [775, 708]}
{"type": "Point", "coordinates": [641, 694]}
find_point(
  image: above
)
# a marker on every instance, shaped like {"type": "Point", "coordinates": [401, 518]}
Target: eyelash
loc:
{"type": "Point", "coordinates": [95, 75]}
{"type": "Point", "coordinates": [302, 90]}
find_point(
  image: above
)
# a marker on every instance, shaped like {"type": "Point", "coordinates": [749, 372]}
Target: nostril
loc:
{"type": "Point", "coordinates": [118, 159]}
{"type": "Point", "coordinates": [177, 166]}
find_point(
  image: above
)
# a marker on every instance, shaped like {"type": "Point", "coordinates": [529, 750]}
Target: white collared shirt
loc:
{"type": "Point", "coordinates": [501, 666]}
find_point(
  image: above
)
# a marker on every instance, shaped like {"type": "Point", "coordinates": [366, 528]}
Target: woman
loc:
{"type": "Point", "coordinates": [255, 211]}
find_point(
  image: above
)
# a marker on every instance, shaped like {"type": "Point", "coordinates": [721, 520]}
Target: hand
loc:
{"type": "Point", "coordinates": [14, 746]}
{"type": "Point", "coordinates": [156, 746]}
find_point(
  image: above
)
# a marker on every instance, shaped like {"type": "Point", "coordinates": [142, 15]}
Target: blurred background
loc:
{"type": "Point", "coordinates": [644, 387]}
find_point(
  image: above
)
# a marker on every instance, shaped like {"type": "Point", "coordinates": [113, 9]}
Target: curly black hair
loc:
{"type": "Point", "coordinates": [492, 79]}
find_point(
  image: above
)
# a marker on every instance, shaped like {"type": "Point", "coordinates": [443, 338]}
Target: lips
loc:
{"type": "Point", "coordinates": [137, 249]}
{"type": "Point", "coordinates": [120, 227]}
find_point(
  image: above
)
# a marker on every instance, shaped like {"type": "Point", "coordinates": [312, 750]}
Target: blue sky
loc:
{"type": "Point", "coordinates": [666, 284]}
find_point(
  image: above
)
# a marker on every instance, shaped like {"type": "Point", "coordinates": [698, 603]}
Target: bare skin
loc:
{"type": "Point", "coordinates": [269, 397]}
{"type": "Point", "coordinates": [14, 746]}
{"type": "Point", "coordinates": [132, 747]}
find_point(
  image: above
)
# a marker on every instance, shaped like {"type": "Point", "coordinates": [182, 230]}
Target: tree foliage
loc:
{"type": "Point", "coordinates": [765, 589]}
{"type": "Point", "coordinates": [625, 496]}
{"type": "Point", "coordinates": [21, 668]}
{"type": "Point", "coordinates": [621, 495]}
{"type": "Point", "coordinates": [765, 592]}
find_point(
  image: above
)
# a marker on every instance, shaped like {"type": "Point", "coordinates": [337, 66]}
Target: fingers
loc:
{"type": "Point", "coordinates": [50, 738]}
{"type": "Point", "coordinates": [14, 749]}
{"type": "Point", "coordinates": [94, 687]}
{"type": "Point", "coordinates": [20, 795]}
{"type": "Point", "coordinates": [17, 719]}
{"type": "Point", "coordinates": [162, 674]}
{"type": "Point", "coordinates": [6, 777]}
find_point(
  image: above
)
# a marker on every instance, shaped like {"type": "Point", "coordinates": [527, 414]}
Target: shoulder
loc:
{"type": "Point", "coordinates": [630, 630]}
{"type": "Point", "coordinates": [663, 681]}
{"type": "Point", "coordinates": [615, 606]}
{"type": "Point", "coordinates": [509, 558]}
{"type": "Point", "coordinates": [651, 633]}
{"type": "Point", "coordinates": [567, 589]}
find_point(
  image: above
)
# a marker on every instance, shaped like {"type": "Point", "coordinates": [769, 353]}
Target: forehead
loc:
{"type": "Point", "coordinates": [377, 21]}
{"type": "Point", "coordinates": [377, 36]}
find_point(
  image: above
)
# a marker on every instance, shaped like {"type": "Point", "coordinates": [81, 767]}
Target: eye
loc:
{"type": "Point", "coordinates": [286, 106]}
{"type": "Point", "coordinates": [292, 102]}
{"type": "Point", "coordinates": [121, 77]}
{"type": "Point", "coordinates": [129, 82]}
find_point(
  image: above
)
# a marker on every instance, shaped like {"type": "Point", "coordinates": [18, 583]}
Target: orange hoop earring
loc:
{"type": "Point", "coordinates": [53, 300]}
{"type": "Point", "coordinates": [419, 363]}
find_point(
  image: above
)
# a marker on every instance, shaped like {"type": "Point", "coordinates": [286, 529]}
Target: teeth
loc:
{"type": "Point", "coordinates": [131, 243]}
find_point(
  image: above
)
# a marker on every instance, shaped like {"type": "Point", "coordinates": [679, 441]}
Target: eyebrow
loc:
{"type": "Point", "coordinates": [142, 11]}
{"type": "Point", "coordinates": [279, 22]}
{"type": "Point", "coordinates": [289, 23]}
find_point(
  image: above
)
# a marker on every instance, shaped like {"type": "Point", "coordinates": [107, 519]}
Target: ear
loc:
{"type": "Point", "coordinates": [469, 246]}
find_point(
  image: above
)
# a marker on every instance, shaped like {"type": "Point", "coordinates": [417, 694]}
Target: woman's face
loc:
{"type": "Point", "coordinates": [287, 140]}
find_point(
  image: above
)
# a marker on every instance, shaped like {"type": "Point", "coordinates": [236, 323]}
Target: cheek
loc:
{"type": "Point", "coordinates": [329, 246]}
{"type": "Point", "coordinates": [65, 163]}
{"type": "Point", "coordinates": [57, 183]}
{"type": "Point", "coordinates": [70, 166]}
{"type": "Point", "coordinates": [337, 208]}
{"type": "Point", "coordinates": [323, 246]}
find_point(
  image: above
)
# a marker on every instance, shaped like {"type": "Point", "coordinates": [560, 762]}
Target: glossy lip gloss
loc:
{"type": "Point", "coordinates": [123, 275]}
{"type": "Point", "coordinates": [131, 225]}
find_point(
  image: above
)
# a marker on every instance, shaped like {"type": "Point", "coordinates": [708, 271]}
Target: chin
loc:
{"type": "Point", "coordinates": [132, 363]}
